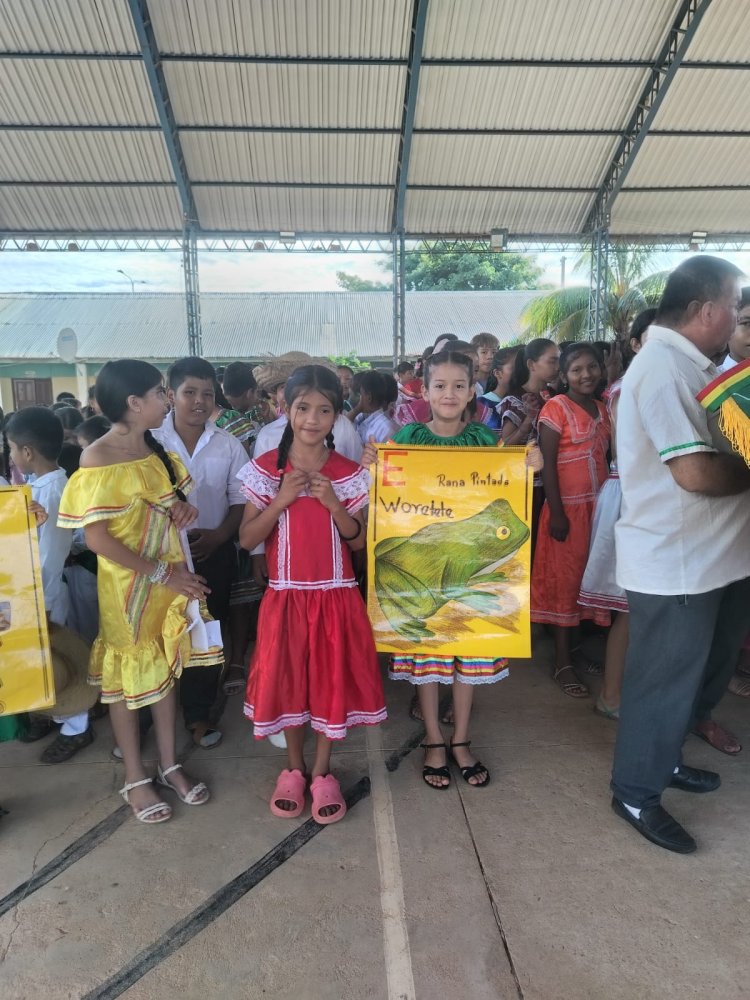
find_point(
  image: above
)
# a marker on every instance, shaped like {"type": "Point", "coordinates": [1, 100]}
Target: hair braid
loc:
{"type": "Point", "coordinates": [284, 445]}
{"type": "Point", "coordinates": [330, 443]}
{"type": "Point", "coordinates": [158, 449]}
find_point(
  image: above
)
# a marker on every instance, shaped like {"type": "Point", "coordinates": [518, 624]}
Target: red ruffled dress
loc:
{"type": "Point", "coordinates": [315, 659]}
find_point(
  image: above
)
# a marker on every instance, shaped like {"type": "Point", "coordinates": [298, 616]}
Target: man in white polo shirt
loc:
{"type": "Point", "coordinates": [683, 548]}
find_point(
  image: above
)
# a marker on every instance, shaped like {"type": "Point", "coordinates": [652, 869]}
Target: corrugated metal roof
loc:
{"type": "Point", "coordinates": [691, 160]}
{"type": "Point", "coordinates": [66, 26]}
{"type": "Point", "coordinates": [283, 27]}
{"type": "Point", "coordinates": [80, 92]}
{"type": "Point", "coordinates": [270, 94]}
{"type": "Point", "coordinates": [706, 99]}
{"type": "Point", "coordinates": [681, 212]}
{"type": "Point", "coordinates": [290, 156]}
{"type": "Point", "coordinates": [87, 156]}
{"type": "Point", "coordinates": [536, 160]}
{"type": "Point", "coordinates": [723, 33]}
{"type": "Point", "coordinates": [538, 97]}
{"type": "Point", "coordinates": [104, 209]}
{"type": "Point", "coordinates": [538, 29]}
{"type": "Point", "coordinates": [252, 325]}
{"type": "Point", "coordinates": [465, 212]}
{"type": "Point", "coordinates": [248, 209]}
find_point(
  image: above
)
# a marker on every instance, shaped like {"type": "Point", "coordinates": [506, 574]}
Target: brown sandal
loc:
{"type": "Point", "coordinates": [573, 689]}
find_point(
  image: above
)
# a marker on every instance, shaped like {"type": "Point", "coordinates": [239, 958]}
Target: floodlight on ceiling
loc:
{"type": "Point", "coordinates": [335, 247]}
{"type": "Point", "coordinates": [32, 246]}
{"type": "Point", "coordinates": [73, 248]}
{"type": "Point", "coordinates": [498, 239]}
{"type": "Point", "coordinates": [288, 237]}
{"type": "Point", "coordinates": [259, 245]}
{"type": "Point", "coordinates": [698, 241]}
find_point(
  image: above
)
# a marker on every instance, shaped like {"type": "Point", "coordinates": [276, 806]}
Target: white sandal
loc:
{"type": "Point", "coordinates": [148, 813]}
{"type": "Point", "coordinates": [198, 794]}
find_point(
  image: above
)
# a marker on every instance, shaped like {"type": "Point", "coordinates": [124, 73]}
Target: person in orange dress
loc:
{"type": "Point", "coordinates": [574, 434]}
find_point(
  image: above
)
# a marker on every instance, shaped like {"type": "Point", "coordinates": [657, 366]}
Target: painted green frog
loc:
{"type": "Point", "coordinates": [417, 575]}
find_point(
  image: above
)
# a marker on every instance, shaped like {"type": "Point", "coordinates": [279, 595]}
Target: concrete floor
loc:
{"type": "Point", "coordinates": [529, 888]}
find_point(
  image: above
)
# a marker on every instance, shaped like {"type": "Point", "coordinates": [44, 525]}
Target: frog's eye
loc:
{"type": "Point", "coordinates": [503, 532]}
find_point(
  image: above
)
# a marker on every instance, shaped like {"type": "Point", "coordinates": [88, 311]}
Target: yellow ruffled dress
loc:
{"type": "Point", "coordinates": [143, 642]}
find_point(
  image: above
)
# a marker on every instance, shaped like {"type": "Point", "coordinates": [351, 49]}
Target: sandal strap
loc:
{"type": "Point", "coordinates": [562, 671]}
{"type": "Point", "coordinates": [169, 770]}
{"type": "Point", "coordinates": [436, 772]}
{"type": "Point", "coordinates": [144, 814]}
{"type": "Point", "coordinates": [126, 789]}
{"type": "Point", "coordinates": [432, 746]}
{"type": "Point", "coordinates": [466, 743]}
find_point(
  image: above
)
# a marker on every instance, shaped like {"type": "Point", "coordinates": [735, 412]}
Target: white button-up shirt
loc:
{"type": "Point", "coordinates": [54, 544]}
{"type": "Point", "coordinates": [669, 541]}
{"type": "Point", "coordinates": [213, 466]}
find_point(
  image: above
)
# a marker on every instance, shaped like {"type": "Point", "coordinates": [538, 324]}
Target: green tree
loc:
{"type": "Point", "coordinates": [470, 271]}
{"type": "Point", "coordinates": [632, 287]}
{"type": "Point", "coordinates": [353, 283]}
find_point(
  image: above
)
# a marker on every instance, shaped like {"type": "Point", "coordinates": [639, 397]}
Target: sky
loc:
{"type": "Point", "coordinates": [154, 271]}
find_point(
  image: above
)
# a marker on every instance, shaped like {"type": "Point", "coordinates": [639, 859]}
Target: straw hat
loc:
{"type": "Point", "coordinates": [70, 664]}
{"type": "Point", "coordinates": [279, 369]}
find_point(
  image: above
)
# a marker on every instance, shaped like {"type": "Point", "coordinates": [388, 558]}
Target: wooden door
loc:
{"type": "Point", "coordinates": [31, 392]}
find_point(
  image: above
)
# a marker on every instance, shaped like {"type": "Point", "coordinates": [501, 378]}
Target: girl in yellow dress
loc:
{"type": "Point", "coordinates": [129, 495]}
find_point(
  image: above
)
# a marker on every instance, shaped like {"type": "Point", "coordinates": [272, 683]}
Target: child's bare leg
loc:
{"type": "Point", "coordinates": [565, 676]}
{"type": "Point", "coordinates": [429, 697]}
{"type": "Point", "coordinates": [614, 664]}
{"type": "Point", "coordinates": [295, 741]}
{"type": "Point", "coordinates": [165, 718]}
{"type": "Point", "coordinates": [463, 698]}
{"type": "Point", "coordinates": [128, 738]}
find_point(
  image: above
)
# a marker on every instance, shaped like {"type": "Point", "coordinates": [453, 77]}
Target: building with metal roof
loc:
{"type": "Point", "coordinates": [250, 326]}
{"type": "Point", "coordinates": [393, 119]}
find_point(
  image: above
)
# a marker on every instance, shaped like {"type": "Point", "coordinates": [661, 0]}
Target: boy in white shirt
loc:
{"type": "Point", "coordinates": [35, 436]}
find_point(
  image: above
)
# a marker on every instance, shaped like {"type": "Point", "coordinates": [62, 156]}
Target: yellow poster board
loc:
{"type": "Point", "coordinates": [449, 551]}
{"type": "Point", "coordinates": [25, 661]}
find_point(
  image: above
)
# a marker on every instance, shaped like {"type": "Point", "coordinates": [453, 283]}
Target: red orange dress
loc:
{"type": "Point", "coordinates": [581, 469]}
{"type": "Point", "coordinates": [315, 659]}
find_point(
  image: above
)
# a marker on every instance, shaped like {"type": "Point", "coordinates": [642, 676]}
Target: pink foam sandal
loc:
{"type": "Point", "coordinates": [290, 787]}
{"type": "Point", "coordinates": [326, 791]}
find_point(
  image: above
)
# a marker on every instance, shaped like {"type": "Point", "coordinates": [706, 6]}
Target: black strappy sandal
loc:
{"type": "Point", "coordinates": [473, 770]}
{"type": "Point", "coordinates": [436, 772]}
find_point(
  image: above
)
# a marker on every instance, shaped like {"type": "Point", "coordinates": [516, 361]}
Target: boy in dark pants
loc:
{"type": "Point", "coordinates": [213, 457]}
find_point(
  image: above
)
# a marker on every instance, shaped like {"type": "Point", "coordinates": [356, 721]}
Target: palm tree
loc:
{"type": "Point", "coordinates": [632, 287]}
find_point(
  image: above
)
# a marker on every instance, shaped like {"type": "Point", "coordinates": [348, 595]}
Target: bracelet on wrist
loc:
{"type": "Point", "coordinates": [161, 572]}
{"type": "Point", "coordinates": [357, 533]}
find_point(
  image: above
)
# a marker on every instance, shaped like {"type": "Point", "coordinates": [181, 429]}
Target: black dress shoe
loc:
{"type": "Point", "coordinates": [656, 825]}
{"type": "Point", "coordinates": [694, 779]}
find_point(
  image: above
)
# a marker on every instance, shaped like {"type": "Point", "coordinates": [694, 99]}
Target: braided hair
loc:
{"type": "Point", "coordinates": [309, 378]}
{"type": "Point", "coordinates": [127, 377]}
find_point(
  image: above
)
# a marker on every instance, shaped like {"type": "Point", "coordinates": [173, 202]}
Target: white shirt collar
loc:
{"type": "Point", "coordinates": [679, 341]}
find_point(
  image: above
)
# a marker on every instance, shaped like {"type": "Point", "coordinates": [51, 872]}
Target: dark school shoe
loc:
{"type": "Point", "coordinates": [695, 779]}
{"type": "Point", "coordinates": [37, 729]}
{"type": "Point", "coordinates": [656, 825]}
{"type": "Point", "coordinates": [62, 748]}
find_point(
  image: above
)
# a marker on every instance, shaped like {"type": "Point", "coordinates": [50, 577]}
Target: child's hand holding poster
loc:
{"type": "Point", "coordinates": [449, 551]}
{"type": "Point", "coordinates": [25, 663]}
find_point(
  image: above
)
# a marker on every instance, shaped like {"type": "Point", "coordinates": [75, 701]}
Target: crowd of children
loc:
{"type": "Point", "coordinates": [190, 501]}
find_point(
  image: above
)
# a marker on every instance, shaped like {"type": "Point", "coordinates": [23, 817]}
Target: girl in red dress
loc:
{"type": "Point", "coordinates": [574, 438]}
{"type": "Point", "coordinates": [315, 658]}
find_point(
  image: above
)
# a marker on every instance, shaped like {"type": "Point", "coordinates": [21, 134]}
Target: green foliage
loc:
{"type": "Point", "coordinates": [632, 287]}
{"type": "Point", "coordinates": [351, 360]}
{"type": "Point", "coordinates": [353, 283]}
{"type": "Point", "coordinates": [470, 271]}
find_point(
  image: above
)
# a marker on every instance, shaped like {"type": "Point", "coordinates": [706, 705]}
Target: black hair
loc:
{"type": "Point", "coordinates": [604, 347]}
{"type": "Point", "coordinates": [391, 388]}
{"type": "Point", "coordinates": [356, 382]}
{"type": "Point", "coordinates": [92, 392]}
{"type": "Point", "coordinates": [449, 358]}
{"type": "Point", "coordinates": [93, 428]}
{"type": "Point", "coordinates": [699, 279]}
{"type": "Point", "coordinates": [641, 323]}
{"type": "Point", "coordinates": [375, 385]}
{"type": "Point", "coordinates": [745, 297]}
{"type": "Point", "coordinates": [572, 352]}
{"type": "Point", "coordinates": [308, 378]}
{"type": "Point", "coordinates": [69, 417]}
{"type": "Point", "coordinates": [499, 359]}
{"type": "Point", "coordinates": [485, 340]}
{"type": "Point", "coordinates": [442, 336]}
{"type": "Point", "coordinates": [127, 377]}
{"type": "Point", "coordinates": [191, 367]}
{"type": "Point", "coordinates": [238, 378]}
{"type": "Point", "coordinates": [219, 398]}
{"type": "Point", "coordinates": [530, 352]}
{"type": "Point", "coordinates": [69, 458]}
{"type": "Point", "coordinates": [61, 397]}
{"type": "Point", "coordinates": [61, 404]}
{"type": "Point", "coordinates": [404, 367]}
{"type": "Point", "coordinates": [38, 428]}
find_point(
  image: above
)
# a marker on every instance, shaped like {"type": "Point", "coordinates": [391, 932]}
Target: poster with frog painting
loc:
{"type": "Point", "coordinates": [25, 664]}
{"type": "Point", "coordinates": [449, 548]}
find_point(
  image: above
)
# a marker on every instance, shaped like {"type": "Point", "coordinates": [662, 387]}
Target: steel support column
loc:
{"type": "Point", "coordinates": [192, 292]}
{"type": "Point", "coordinates": [396, 303]}
{"type": "Point", "coordinates": [598, 288]}
{"type": "Point", "coordinates": [402, 295]}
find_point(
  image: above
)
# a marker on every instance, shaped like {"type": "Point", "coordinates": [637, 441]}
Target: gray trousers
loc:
{"type": "Point", "coordinates": [681, 656]}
